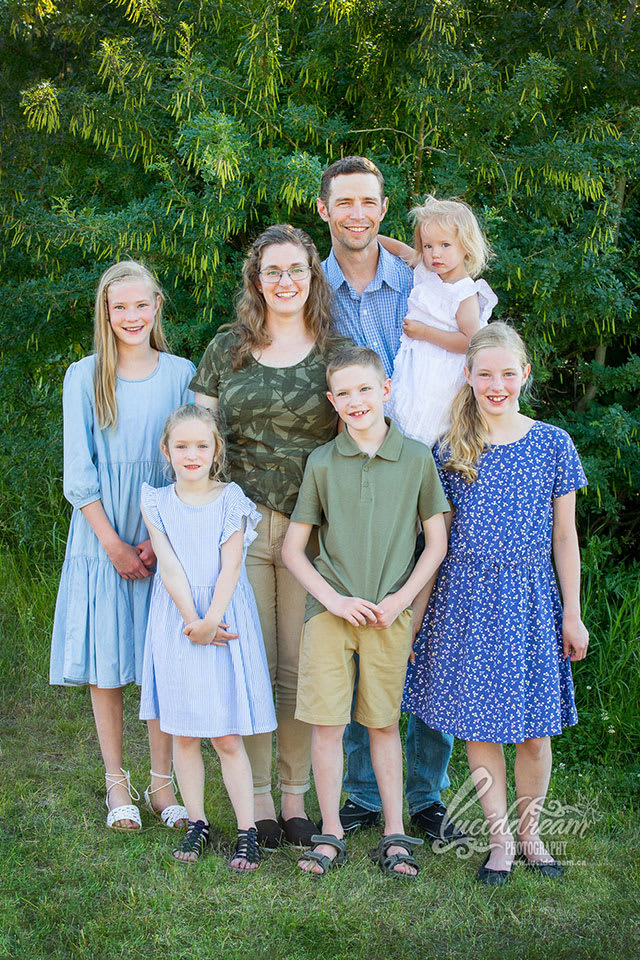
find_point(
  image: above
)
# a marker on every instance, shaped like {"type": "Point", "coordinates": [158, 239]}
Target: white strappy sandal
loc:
{"type": "Point", "coordinates": [128, 811]}
{"type": "Point", "coordinates": [172, 814]}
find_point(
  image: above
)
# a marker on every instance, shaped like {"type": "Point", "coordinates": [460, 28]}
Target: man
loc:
{"type": "Point", "coordinates": [371, 288]}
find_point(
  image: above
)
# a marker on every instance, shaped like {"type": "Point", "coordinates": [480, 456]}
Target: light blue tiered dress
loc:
{"type": "Point", "coordinates": [100, 619]}
{"type": "Point", "coordinates": [198, 690]}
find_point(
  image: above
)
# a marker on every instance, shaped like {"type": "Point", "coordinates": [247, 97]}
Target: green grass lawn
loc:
{"type": "Point", "coordinates": [73, 889]}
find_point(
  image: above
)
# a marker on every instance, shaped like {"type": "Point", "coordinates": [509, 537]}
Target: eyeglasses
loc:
{"type": "Point", "coordinates": [271, 275]}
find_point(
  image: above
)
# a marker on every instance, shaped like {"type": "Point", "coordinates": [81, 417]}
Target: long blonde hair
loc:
{"type": "Point", "coordinates": [467, 437]}
{"type": "Point", "coordinates": [457, 216]}
{"type": "Point", "coordinates": [193, 411]}
{"type": "Point", "coordinates": [250, 325]}
{"type": "Point", "coordinates": [105, 342]}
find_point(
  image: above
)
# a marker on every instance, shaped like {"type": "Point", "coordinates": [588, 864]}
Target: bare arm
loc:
{"type": "Point", "coordinates": [207, 630]}
{"type": "Point", "coordinates": [172, 572]}
{"type": "Point", "coordinates": [457, 341]}
{"type": "Point", "coordinates": [353, 609]}
{"type": "Point", "coordinates": [566, 555]}
{"type": "Point", "coordinates": [123, 556]}
{"type": "Point", "coordinates": [422, 598]}
{"type": "Point", "coordinates": [435, 549]}
{"type": "Point", "coordinates": [397, 248]}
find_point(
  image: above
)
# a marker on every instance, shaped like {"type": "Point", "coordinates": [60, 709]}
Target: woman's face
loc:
{"type": "Point", "coordinates": [285, 294]}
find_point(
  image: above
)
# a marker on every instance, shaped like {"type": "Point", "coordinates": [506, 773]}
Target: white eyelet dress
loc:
{"type": "Point", "coordinates": [426, 377]}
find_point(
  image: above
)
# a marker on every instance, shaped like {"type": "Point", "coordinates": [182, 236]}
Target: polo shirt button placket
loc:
{"type": "Point", "coordinates": [365, 480]}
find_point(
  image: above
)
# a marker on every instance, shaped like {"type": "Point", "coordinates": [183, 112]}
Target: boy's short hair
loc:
{"type": "Point", "coordinates": [355, 357]}
{"type": "Point", "coordinates": [345, 166]}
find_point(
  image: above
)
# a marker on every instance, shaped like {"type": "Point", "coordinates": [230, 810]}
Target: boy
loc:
{"type": "Point", "coordinates": [365, 490]}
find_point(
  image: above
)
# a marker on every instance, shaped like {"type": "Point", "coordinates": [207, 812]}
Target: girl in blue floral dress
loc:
{"type": "Point", "coordinates": [491, 663]}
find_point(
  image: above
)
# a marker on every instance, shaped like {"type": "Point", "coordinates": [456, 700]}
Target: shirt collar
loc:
{"type": "Point", "coordinates": [388, 271]}
{"type": "Point", "coordinates": [390, 448]}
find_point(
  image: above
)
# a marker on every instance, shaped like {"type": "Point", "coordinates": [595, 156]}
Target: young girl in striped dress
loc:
{"type": "Point", "coordinates": [205, 671]}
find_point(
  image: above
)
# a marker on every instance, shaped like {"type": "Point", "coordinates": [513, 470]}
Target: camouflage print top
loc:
{"type": "Point", "coordinates": [273, 417]}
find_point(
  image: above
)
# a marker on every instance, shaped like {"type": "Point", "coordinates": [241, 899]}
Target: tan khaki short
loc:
{"type": "Point", "coordinates": [327, 671]}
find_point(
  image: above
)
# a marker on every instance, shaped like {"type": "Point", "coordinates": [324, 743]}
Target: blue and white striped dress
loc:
{"type": "Point", "coordinates": [196, 690]}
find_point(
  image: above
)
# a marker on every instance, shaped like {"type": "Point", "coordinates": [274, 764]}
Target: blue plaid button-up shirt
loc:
{"type": "Point", "coordinates": [374, 318]}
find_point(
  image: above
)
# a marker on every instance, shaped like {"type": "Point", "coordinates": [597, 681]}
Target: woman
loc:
{"type": "Point", "coordinates": [265, 373]}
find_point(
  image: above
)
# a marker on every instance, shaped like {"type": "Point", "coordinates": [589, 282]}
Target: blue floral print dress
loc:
{"type": "Point", "coordinates": [489, 659]}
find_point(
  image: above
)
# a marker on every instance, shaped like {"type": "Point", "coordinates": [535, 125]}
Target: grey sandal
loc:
{"type": "Point", "coordinates": [322, 859]}
{"type": "Point", "coordinates": [388, 862]}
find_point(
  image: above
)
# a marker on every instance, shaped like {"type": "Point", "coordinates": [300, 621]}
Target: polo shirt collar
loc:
{"type": "Point", "coordinates": [390, 449]}
{"type": "Point", "coordinates": [387, 272]}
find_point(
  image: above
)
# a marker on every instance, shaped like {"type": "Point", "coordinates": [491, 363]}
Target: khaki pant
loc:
{"type": "Point", "coordinates": [281, 602]}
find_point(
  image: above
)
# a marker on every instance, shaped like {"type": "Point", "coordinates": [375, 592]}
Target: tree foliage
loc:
{"type": "Point", "coordinates": [174, 130]}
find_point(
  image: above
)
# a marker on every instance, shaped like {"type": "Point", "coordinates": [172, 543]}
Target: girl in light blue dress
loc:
{"type": "Point", "coordinates": [205, 668]}
{"type": "Point", "coordinates": [491, 664]}
{"type": "Point", "coordinates": [115, 403]}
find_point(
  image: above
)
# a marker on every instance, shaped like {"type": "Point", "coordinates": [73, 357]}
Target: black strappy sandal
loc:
{"type": "Point", "coordinates": [194, 842]}
{"type": "Point", "coordinates": [246, 848]}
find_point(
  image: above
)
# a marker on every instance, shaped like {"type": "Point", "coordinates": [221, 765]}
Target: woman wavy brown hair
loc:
{"type": "Point", "coordinates": [468, 437]}
{"type": "Point", "coordinates": [250, 325]}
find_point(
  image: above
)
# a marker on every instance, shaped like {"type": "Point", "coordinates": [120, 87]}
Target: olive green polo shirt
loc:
{"type": "Point", "coordinates": [368, 509]}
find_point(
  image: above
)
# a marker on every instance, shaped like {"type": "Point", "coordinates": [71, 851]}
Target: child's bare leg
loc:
{"type": "Point", "coordinates": [236, 773]}
{"type": "Point", "coordinates": [107, 712]}
{"type": "Point", "coordinates": [532, 772]}
{"type": "Point", "coordinates": [386, 758]}
{"type": "Point", "coordinates": [486, 762]}
{"type": "Point", "coordinates": [187, 758]}
{"type": "Point", "coordinates": [327, 762]}
{"type": "Point", "coordinates": [160, 750]}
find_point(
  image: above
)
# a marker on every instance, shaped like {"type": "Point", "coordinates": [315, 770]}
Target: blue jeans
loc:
{"type": "Point", "coordinates": [428, 753]}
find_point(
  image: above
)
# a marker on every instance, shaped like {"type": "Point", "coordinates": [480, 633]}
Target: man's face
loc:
{"type": "Point", "coordinates": [354, 210]}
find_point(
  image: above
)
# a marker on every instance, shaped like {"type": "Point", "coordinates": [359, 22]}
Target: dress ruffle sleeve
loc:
{"type": "Point", "coordinates": [486, 299]}
{"type": "Point", "coordinates": [81, 481]}
{"type": "Point", "coordinates": [240, 513]}
{"type": "Point", "coordinates": [465, 288]}
{"type": "Point", "coordinates": [149, 501]}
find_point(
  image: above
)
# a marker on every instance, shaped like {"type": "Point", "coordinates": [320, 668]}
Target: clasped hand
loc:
{"type": "Point", "coordinates": [206, 634]}
{"type": "Point", "coordinates": [132, 563]}
{"type": "Point", "coordinates": [360, 613]}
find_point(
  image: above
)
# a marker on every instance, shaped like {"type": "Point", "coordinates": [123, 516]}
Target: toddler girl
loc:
{"type": "Point", "coordinates": [205, 668]}
{"type": "Point", "coordinates": [491, 663]}
{"type": "Point", "coordinates": [115, 403]}
{"type": "Point", "coordinates": [445, 308]}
